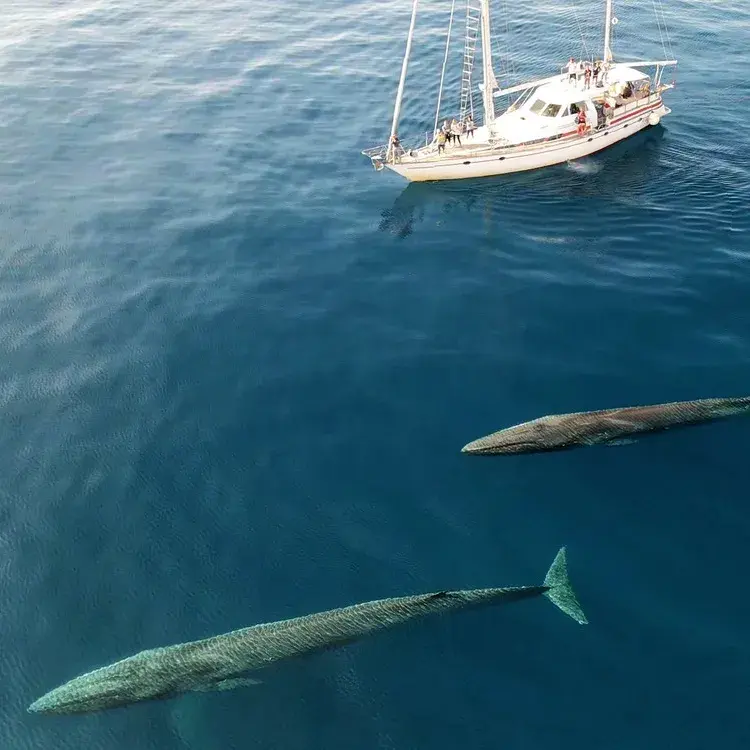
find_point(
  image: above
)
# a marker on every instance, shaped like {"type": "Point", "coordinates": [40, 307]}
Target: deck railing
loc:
{"type": "Point", "coordinates": [623, 109]}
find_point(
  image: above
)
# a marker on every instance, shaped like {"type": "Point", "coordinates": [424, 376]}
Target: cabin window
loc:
{"type": "Point", "coordinates": [551, 110]}
{"type": "Point", "coordinates": [538, 106]}
{"type": "Point", "coordinates": [576, 107]}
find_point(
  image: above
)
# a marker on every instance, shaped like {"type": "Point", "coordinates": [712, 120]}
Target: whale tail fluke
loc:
{"type": "Point", "coordinates": [560, 591]}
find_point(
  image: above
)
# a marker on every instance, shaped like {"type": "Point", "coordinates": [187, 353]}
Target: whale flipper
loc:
{"type": "Point", "coordinates": [228, 684]}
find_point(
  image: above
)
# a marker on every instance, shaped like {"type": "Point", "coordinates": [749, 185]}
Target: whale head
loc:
{"type": "Point", "coordinates": [118, 684]}
{"type": "Point", "coordinates": [538, 435]}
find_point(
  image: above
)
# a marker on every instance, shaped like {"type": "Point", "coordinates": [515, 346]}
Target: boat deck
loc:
{"type": "Point", "coordinates": [481, 142]}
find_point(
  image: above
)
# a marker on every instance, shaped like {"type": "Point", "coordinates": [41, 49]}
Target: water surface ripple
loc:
{"type": "Point", "coordinates": [238, 367]}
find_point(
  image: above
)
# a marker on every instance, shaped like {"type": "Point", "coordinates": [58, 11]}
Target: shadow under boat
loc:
{"type": "Point", "coordinates": [633, 162]}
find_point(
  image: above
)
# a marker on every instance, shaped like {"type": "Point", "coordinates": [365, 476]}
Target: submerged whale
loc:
{"type": "Point", "coordinates": [220, 663]}
{"type": "Point", "coordinates": [561, 431]}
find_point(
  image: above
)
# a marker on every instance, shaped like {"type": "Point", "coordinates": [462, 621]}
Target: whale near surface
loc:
{"type": "Point", "coordinates": [562, 431]}
{"type": "Point", "coordinates": [221, 662]}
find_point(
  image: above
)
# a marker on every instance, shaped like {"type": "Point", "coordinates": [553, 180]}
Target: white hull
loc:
{"type": "Point", "coordinates": [465, 164]}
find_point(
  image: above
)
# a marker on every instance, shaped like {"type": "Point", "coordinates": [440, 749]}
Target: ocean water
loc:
{"type": "Point", "coordinates": [237, 367]}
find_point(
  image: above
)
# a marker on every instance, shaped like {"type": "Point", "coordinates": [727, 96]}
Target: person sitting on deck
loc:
{"type": "Point", "coordinates": [612, 95]}
{"type": "Point", "coordinates": [581, 120]}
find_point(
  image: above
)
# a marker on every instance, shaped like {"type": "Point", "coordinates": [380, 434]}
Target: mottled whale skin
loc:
{"type": "Point", "coordinates": [562, 431]}
{"type": "Point", "coordinates": [220, 662]}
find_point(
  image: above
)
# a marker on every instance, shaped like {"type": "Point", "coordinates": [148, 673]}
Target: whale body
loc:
{"type": "Point", "coordinates": [223, 661]}
{"type": "Point", "coordinates": [562, 431]}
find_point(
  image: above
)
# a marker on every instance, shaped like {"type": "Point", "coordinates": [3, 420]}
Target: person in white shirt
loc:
{"type": "Point", "coordinates": [469, 127]}
{"type": "Point", "coordinates": [456, 130]}
{"type": "Point", "coordinates": [447, 131]}
{"type": "Point", "coordinates": [571, 70]}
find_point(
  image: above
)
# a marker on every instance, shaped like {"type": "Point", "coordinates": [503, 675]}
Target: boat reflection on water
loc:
{"type": "Point", "coordinates": [623, 169]}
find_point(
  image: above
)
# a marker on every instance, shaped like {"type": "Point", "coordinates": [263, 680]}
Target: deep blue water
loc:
{"type": "Point", "coordinates": [237, 367]}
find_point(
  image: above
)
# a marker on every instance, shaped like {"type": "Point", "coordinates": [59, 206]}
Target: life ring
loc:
{"type": "Point", "coordinates": [654, 119]}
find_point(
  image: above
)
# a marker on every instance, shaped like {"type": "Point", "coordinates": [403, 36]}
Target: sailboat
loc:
{"type": "Point", "coordinates": [551, 120]}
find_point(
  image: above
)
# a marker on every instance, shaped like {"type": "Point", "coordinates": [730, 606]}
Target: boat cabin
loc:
{"type": "Point", "coordinates": [551, 109]}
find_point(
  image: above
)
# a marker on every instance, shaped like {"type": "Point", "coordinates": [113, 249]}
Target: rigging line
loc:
{"type": "Point", "coordinates": [510, 65]}
{"type": "Point", "coordinates": [666, 29]}
{"type": "Point", "coordinates": [503, 58]}
{"type": "Point", "coordinates": [658, 24]}
{"type": "Point", "coordinates": [442, 72]}
{"type": "Point", "coordinates": [497, 52]}
{"type": "Point", "coordinates": [580, 31]}
{"type": "Point", "coordinates": [492, 36]}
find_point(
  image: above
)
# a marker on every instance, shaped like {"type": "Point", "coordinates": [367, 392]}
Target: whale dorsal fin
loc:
{"type": "Point", "coordinates": [439, 595]}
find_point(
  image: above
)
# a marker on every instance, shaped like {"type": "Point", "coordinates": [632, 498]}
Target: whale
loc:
{"type": "Point", "coordinates": [610, 426]}
{"type": "Point", "coordinates": [228, 661]}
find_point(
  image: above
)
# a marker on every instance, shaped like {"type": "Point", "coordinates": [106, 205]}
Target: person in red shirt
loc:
{"type": "Point", "coordinates": [581, 120]}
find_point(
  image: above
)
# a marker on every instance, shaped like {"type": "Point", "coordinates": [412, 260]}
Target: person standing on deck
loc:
{"type": "Point", "coordinates": [447, 131]}
{"type": "Point", "coordinates": [469, 127]}
{"type": "Point", "coordinates": [597, 73]}
{"type": "Point", "coordinates": [571, 70]}
{"type": "Point", "coordinates": [587, 76]}
{"type": "Point", "coordinates": [441, 141]}
{"type": "Point", "coordinates": [456, 130]}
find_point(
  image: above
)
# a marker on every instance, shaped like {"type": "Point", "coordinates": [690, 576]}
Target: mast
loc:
{"type": "Point", "coordinates": [489, 76]}
{"type": "Point", "coordinates": [400, 93]}
{"type": "Point", "coordinates": [608, 32]}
